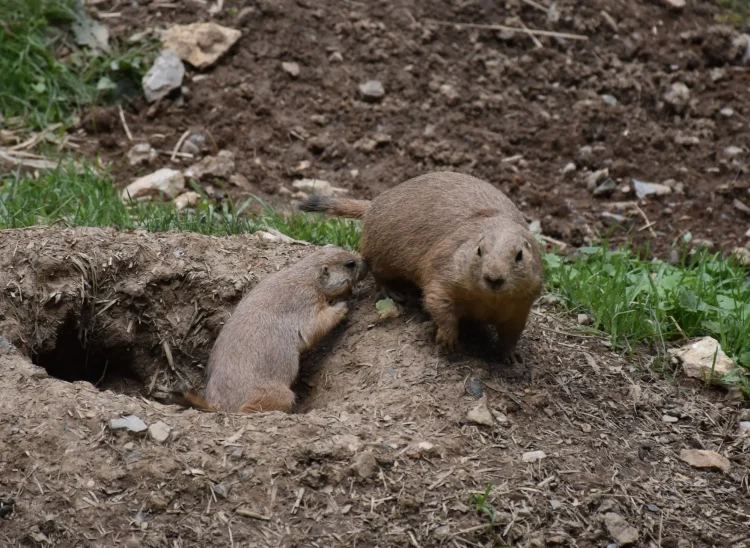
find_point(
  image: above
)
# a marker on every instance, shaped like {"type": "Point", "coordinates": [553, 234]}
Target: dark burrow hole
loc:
{"type": "Point", "coordinates": [76, 359]}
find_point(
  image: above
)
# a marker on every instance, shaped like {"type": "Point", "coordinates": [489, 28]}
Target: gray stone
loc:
{"type": "Point", "coordinates": [365, 465]}
{"type": "Point", "coordinates": [130, 423]}
{"type": "Point", "coordinates": [168, 182]}
{"type": "Point", "coordinates": [291, 68]}
{"type": "Point", "coordinates": [480, 415]}
{"type": "Point", "coordinates": [159, 432]}
{"type": "Point", "coordinates": [164, 76]}
{"type": "Point", "coordinates": [620, 530]}
{"type": "Point", "coordinates": [614, 219]}
{"type": "Point", "coordinates": [142, 153]}
{"type": "Point", "coordinates": [533, 456]}
{"type": "Point", "coordinates": [606, 188]}
{"type": "Point", "coordinates": [372, 91]}
{"type": "Point", "coordinates": [611, 100]}
{"type": "Point", "coordinates": [678, 97]}
{"type": "Point", "coordinates": [222, 166]}
{"type": "Point", "coordinates": [474, 388]}
{"type": "Point", "coordinates": [644, 189]}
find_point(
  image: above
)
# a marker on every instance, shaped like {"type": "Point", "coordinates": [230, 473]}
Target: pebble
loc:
{"type": "Point", "coordinates": [697, 360]}
{"type": "Point", "coordinates": [365, 465]}
{"type": "Point", "coordinates": [611, 100]}
{"type": "Point", "coordinates": [474, 388]}
{"type": "Point", "coordinates": [555, 504]}
{"type": "Point", "coordinates": [442, 533]}
{"type": "Point", "coordinates": [584, 319]}
{"type": "Point", "coordinates": [159, 432]}
{"type": "Point", "coordinates": [142, 153]}
{"type": "Point", "coordinates": [675, 4]}
{"type": "Point", "coordinates": [702, 458]}
{"type": "Point", "coordinates": [336, 57]}
{"type": "Point", "coordinates": [200, 44]}
{"type": "Point", "coordinates": [221, 490]}
{"type": "Point", "coordinates": [193, 144]}
{"type": "Point", "coordinates": [607, 188]}
{"type": "Point", "coordinates": [480, 415]}
{"type": "Point", "coordinates": [620, 530]}
{"type": "Point", "coordinates": [372, 91]}
{"type": "Point", "coordinates": [222, 166]}
{"type": "Point", "coordinates": [168, 182]}
{"type": "Point", "coordinates": [678, 97]}
{"type": "Point", "coordinates": [533, 456]}
{"type": "Point", "coordinates": [733, 151]}
{"type": "Point", "coordinates": [291, 68]}
{"type": "Point", "coordinates": [593, 179]}
{"type": "Point", "coordinates": [130, 423]}
{"type": "Point", "coordinates": [187, 199]}
{"type": "Point", "coordinates": [727, 112]}
{"type": "Point", "coordinates": [643, 189]}
{"type": "Point", "coordinates": [613, 219]}
{"type": "Point", "coordinates": [744, 429]}
{"type": "Point", "coordinates": [669, 418]}
{"type": "Point", "coordinates": [570, 167]}
{"type": "Point", "coordinates": [164, 76]}
{"type": "Point", "coordinates": [535, 226]}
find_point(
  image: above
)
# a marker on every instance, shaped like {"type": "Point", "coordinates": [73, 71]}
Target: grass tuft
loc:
{"type": "Point", "coordinates": [45, 78]}
{"type": "Point", "coordinates": [651, 302]}
{"type": "Point", "coordinates": [89, 198]}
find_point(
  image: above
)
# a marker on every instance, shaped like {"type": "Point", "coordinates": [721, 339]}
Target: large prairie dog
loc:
{"type": "Point", "coordinates": [458, 238]}
{"type": "Point", "coordinates": [255, 358]}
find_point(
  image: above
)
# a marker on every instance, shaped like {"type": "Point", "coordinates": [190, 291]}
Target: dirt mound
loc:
{"type": "Point", "coordinates": [503, 106]}
{"type": "Point", "coordinates": [379, 452]}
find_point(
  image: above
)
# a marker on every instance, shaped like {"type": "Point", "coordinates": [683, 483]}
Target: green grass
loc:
{"type": "Point", "coordinates": [45, 78]}
{"type": "Point", "coordinates": [649, 302]}
{"type": "Point", "coordinates": [90, 199]}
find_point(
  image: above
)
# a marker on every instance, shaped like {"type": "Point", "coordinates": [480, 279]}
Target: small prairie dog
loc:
{"type": "Point", "coordinates": [460, 240]}
{"type": "Point", "coordinates": [256, 356]}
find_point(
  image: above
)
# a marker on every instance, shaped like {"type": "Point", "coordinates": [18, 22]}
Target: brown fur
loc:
{"type": "Point", "coordinates": [255, 358]}
{"type": "Point", "coordinates": [429, 230]}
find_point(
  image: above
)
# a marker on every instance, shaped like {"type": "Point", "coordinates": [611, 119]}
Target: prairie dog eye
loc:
{"type": "Point", "coordinates": [479, 251]}
{"type": "Point", "coordinates": [519, 257]}
{"type": "Point", "coordinates": [350, 265]}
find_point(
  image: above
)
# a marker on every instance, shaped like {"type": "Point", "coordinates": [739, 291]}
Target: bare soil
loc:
{"type": "Point", "coordinates": [501, 106]}
{"type": "Point", "coordinates": [125, 316]}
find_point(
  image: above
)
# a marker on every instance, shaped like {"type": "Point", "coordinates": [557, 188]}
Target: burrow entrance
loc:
{"type": "Point", "coordinates": [78, 356]}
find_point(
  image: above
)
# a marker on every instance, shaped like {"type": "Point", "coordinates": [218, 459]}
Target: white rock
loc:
{"type": "Point", "coordinates": [164, 76]}
{"type": "Point", "coordinates": [291, 68]}
{"type": "Point", "coordinates": [570, 167]}
{"type": "Point", "coordinates": [701, 458]}
{"type": "Point", "coordinates": [620, 530]}
{"type": "Point", "coordinates": [643, 189]}
{"type": "Point", "coordinates": [733, 151]}
{"type": "Point", "coordinates": [744, 430]}
{"type": "Point", "coordinates": [222, 166]}
{"type": "Point", "coordinates": [186, 199]}
{"type": "Point", "coordinates": [200, 44]}
{"type": "Point", "coordinates": [317, 186]}
{"type": "Point", "coordinates": [169, 182]}
{"type": "Point", "coordinates": [533, 456]}
{"type": "Point", "coordinates": [372, 91]}
{"type": "Point", "coordinates": [130, 423]}
{"type": "Point", "coordinates": [727, 112]}
{"type": "Point", "coordinates": [678, 97]}
{"type": "Point", "coordinates": [669, 418]}
{"type": "Point", "coordinates": [584, 319]}
{"type": "Point", "coordinates": [159, 432]}
{"type": "Point", "coordinates": [595, 178]}
{"type": "Point", "coordinates": [697, 360]}
{"type": "Point", "coordinates": [480, 415]}
{"type": "Point", "coordinates": [535, 226]}
{"type": "Point", "coordinates": [142, 153]}
{"type": "Point", "coordinates": [675, 4]}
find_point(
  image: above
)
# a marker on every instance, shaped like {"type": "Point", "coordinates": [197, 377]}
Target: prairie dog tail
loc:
{"type": "Point", "coordinates": [191, 399]}
{"type": "Point", "coordinates": [340, 207]}
{"type": "Point", "coordinates": [275, 397]}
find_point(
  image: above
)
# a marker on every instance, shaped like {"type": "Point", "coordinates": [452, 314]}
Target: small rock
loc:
{"type": "Point", "coordinates": [702, 458]}
{"type": "Point", "coordinates": [535, 226]}
{"type": "Point", "coordinates": [678, 97]}
{"type": "Point", "coordinates": [593, 179]}
{"type": "Point", "coordinates": [533, 456]}
{"type": "Point", "coordinates": [675, 4]}
{"type": "Point", "coordinates": [570, 167]}
{"type": "Point", "coordinates": [584, 319]}
{"type": "Point", "coordinates": [744, 429]}
{"type": "Point", "coordinates": [698, 360]}
{"type": "Point", "coordinates": [442, 533]}
{"type": "Point", "coordinates": [743, 255]}
{"type": "Point", "coordinates": [607, 188]}
{"type": "Point", "coordinates": [480, 415]}
{"type": "Point", "coordinates": [336, 57]}
{"type": "Point", "coordinates": [555, 504]}
{"type": "Point", "coordinates": [240, 181]}
{"type": "Point", "coordinates": [620, 530]}
{"type": "Point", "coordinates": [669, 418]}
{"type": "Point", "coordinates": [186, 199]}
{"type": "Point", "coordinates": [193, 144]}
{"type": "Point", "coordinates": [164, 76]}
{"type": "Point", "coordinates": [643, 189]}
{"type": "Point", "coordinates": [717, 74]}
{"type": "Point", "coordinates": [611, 100]}
{"type": "Point", "coordinates": [200, 44]}
{"type": "Point", "coordinates": [221, 490]}
{"type": "Point", "coordinates": [130, 423]}
{"type": "Point", "coordinates": [474, 388]}
{"type": "Point", "coordinates": [740, 206]}
{"type": "Point", "coordinates": [159, 432]}
{"type": "Point", "coordinates": [733, 151]}
{"type": "Point", "coordinates": [222, 166]}
{"type": "Point", "coordinates": [614, 219]}
{"type": "Point", "coordinates": [168, 182]}
{"type": "Point", "coordinates": [365, 465]}
{"type": "Point", "coordinates": [727, 112]}
{"type": "Point", "coordinates": [372, 91]}
{"type": "Point", "coordinates": [291, 68]}
{"type": "Point", "coordinates": [317, 186]}
{"type": "Point", "coordinates": [142, 153]}
{"type": "Point", "coordinates": [128, 446]}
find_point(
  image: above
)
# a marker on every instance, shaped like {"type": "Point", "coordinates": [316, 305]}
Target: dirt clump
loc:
{"type": "Point", "coordinates": [379, 451]}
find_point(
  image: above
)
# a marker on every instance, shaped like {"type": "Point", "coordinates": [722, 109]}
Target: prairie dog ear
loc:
{"type": "Point", "coordinates": [324, 272]}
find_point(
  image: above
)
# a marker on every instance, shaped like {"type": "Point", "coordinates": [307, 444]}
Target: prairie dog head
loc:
{"type": "Point", "coordinates": [507, 261]}
{"type": "Point", "coordinates": [339, 270]}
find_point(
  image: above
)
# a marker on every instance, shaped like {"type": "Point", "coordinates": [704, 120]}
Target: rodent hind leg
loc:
{"type": "Point", "coordinates": [325, 320]}
{"type": "Point", "coordinates": [270, 398]}
{"type": "Point", "coordinates": [438, 303]}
